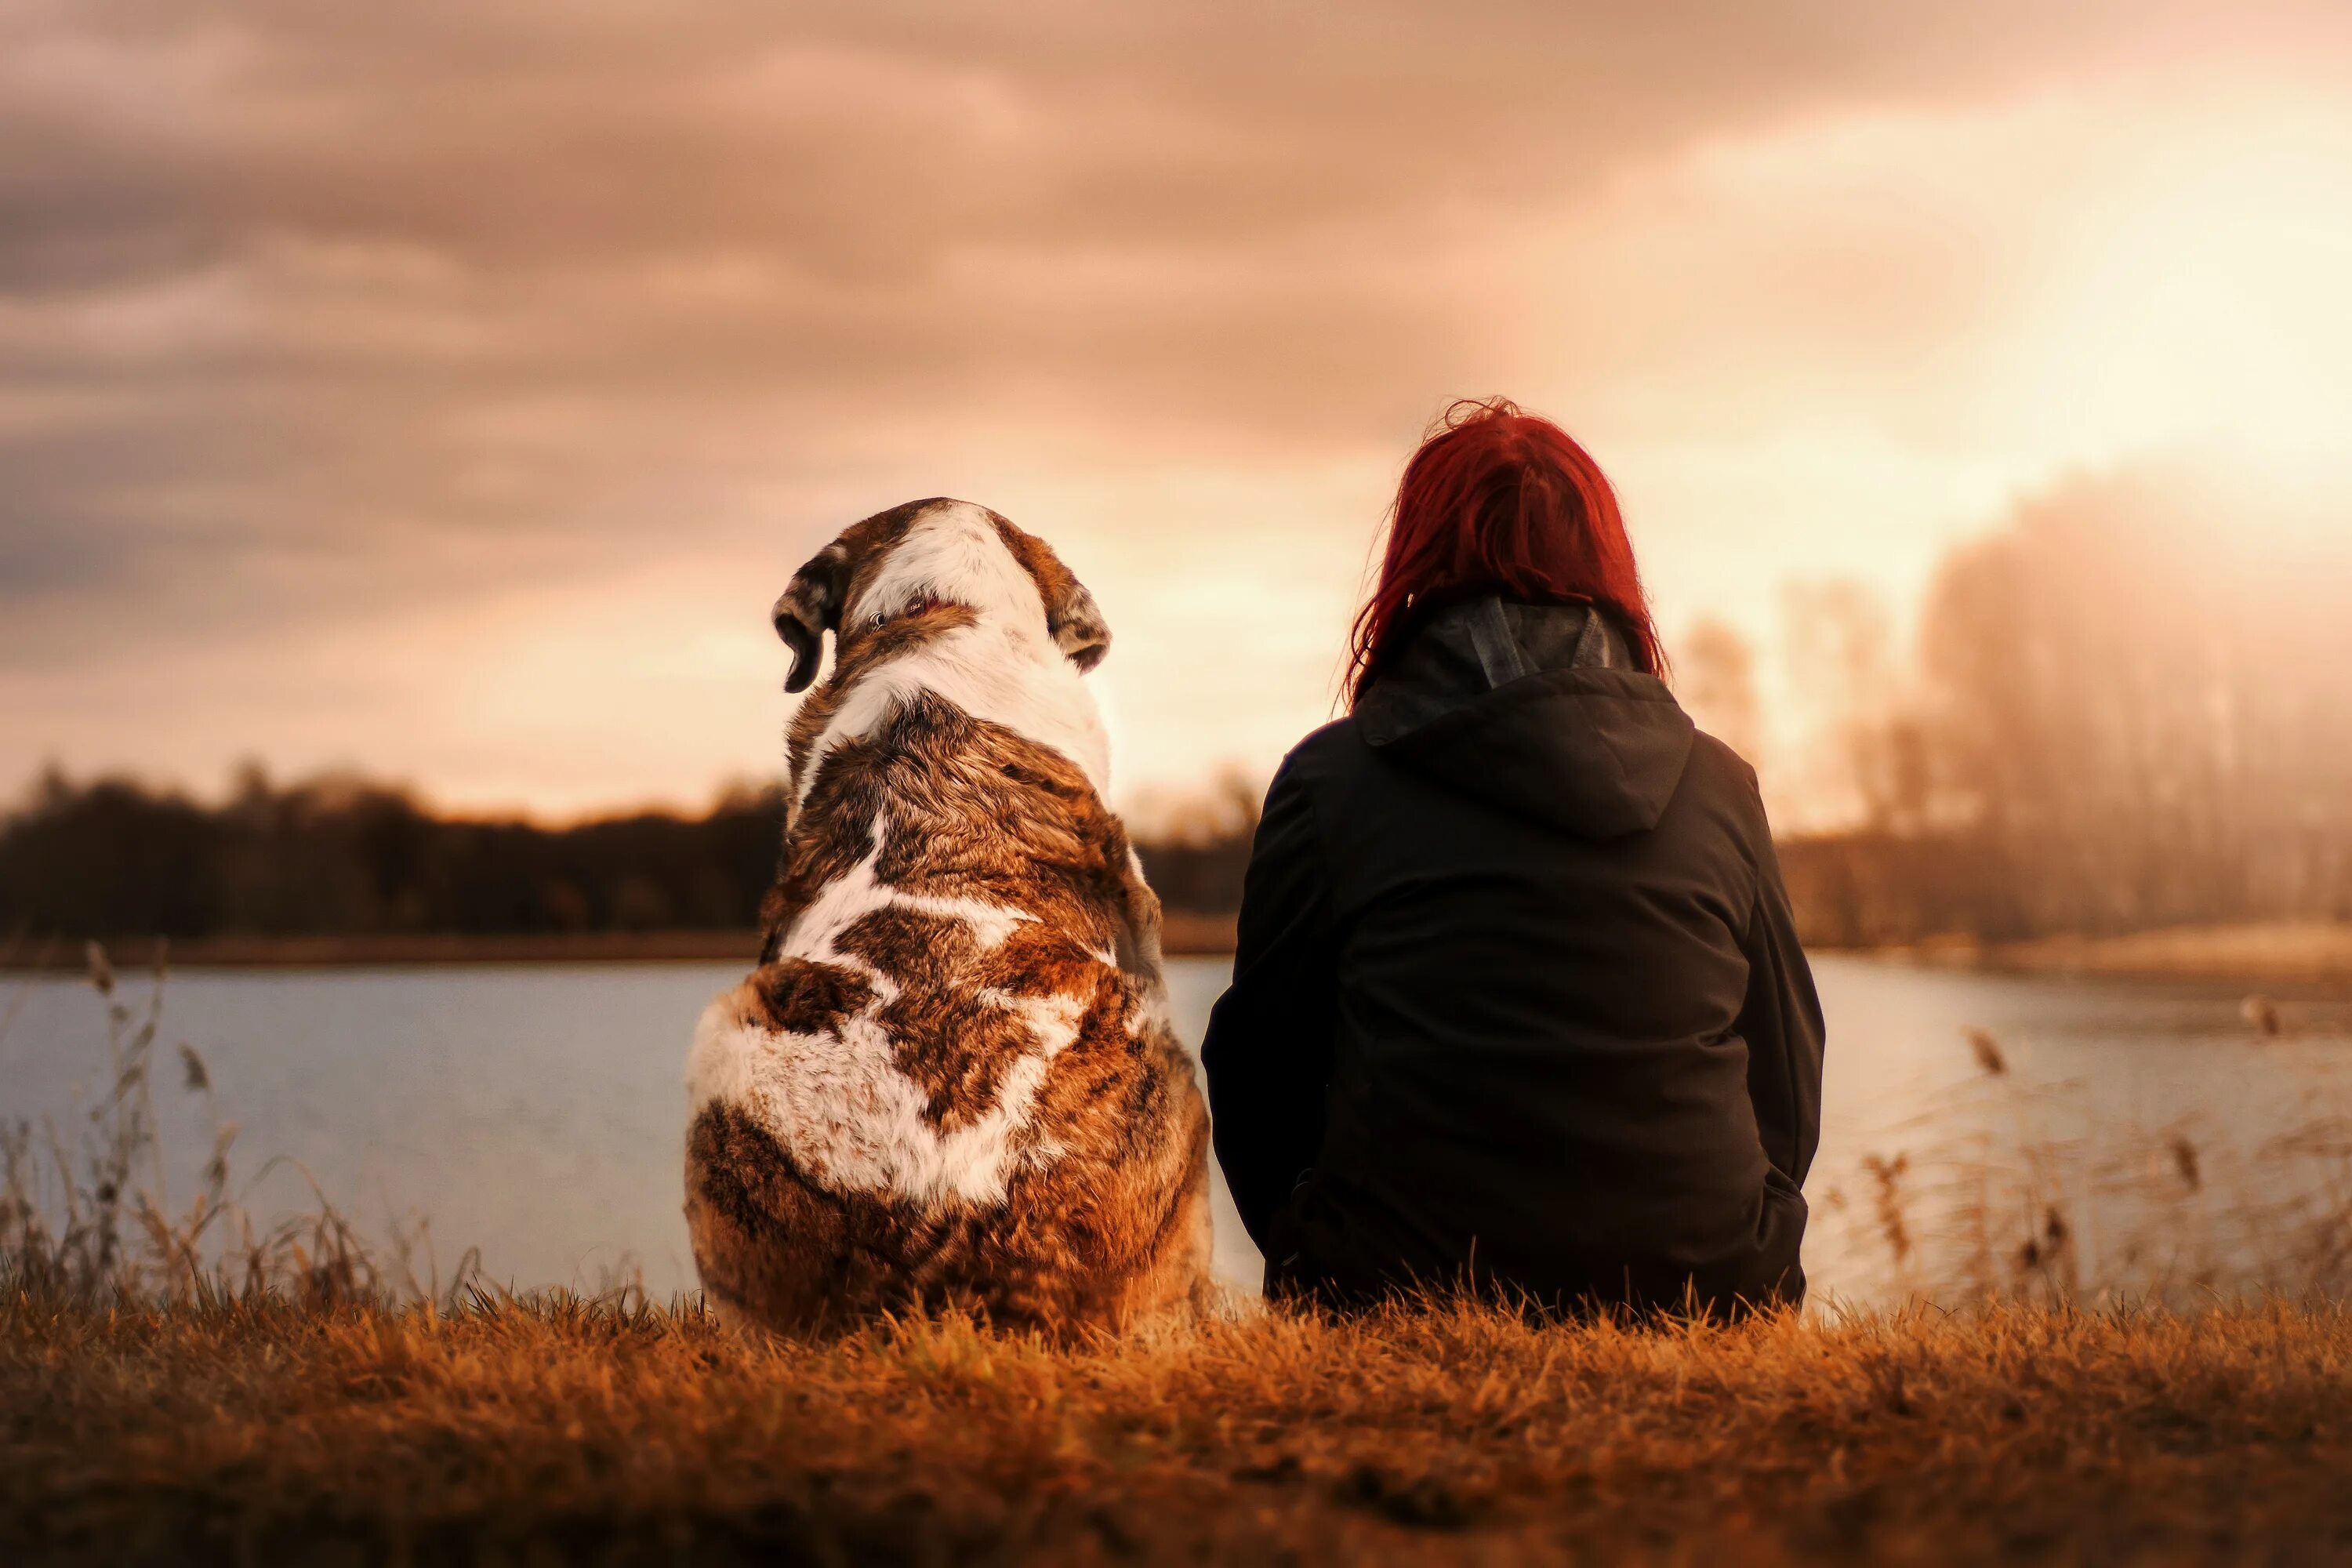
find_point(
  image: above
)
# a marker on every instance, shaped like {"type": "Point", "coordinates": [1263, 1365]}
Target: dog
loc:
{"type": "Point", "coordinates": [951, 1083]}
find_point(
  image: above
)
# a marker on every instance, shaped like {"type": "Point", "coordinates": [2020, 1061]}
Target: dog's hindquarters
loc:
{"type": "Point", "coordinates": [1102, 1221]}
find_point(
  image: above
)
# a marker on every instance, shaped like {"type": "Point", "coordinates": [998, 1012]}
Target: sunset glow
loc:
{"type": "Point", "coordinates": [451, 403]}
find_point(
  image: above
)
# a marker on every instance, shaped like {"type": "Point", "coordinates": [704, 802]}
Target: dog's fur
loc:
{"type": "Point", "coordinates": [951, 1081]}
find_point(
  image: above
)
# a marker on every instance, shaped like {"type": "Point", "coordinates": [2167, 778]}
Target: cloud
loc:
{"type": "Point", "coordinates": [333, 334]}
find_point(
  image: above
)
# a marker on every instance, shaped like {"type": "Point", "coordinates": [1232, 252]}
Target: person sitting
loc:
{"type": "Point", "coordinates": [1517, 1002]}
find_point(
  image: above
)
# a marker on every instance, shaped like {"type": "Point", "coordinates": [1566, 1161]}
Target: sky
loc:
{"type": "Point", "coordinates": [445, 392]}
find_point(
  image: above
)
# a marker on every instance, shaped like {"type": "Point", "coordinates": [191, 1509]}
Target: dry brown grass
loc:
{"type": "Point", "coordinates": [86, 1214]}
{"type": "Point", "coordinates": [183, 1382]}
{"type": "Point", "coordinates": [517, 1431]}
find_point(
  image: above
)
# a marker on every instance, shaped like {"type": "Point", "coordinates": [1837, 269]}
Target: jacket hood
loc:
{"type": "Point", "coordinates": [1535, 709]}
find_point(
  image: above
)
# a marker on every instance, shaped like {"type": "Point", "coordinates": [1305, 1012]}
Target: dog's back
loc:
{"type": "Point", "coordinates": [951, 1081]}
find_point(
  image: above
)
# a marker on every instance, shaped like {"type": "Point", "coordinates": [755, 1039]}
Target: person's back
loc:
{"type": "Point", "coordinates": [1517, 994]}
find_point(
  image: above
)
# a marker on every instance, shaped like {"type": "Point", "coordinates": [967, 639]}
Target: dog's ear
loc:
{"type": "Point", "coordinates": [1077, 625]}
{"type": "Point", "coordinates": [1073, 619]}
{"type": "Point", "coordinates": [810, 608]}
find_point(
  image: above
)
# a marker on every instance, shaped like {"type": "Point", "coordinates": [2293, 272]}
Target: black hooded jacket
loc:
{"type": "Point", "coordinates": [1516, 995]}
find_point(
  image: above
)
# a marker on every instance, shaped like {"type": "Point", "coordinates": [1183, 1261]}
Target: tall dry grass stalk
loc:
{"type": "Point", "coordinates": [89, 1216]}
{"type": "Point", "coordinates": [1982, 1201]}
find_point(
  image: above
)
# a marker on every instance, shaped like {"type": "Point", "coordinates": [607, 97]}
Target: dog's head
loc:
{"type": "Point", "coordinates": [924, 555]}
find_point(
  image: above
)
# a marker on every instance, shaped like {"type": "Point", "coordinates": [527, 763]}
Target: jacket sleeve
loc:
{"type": "Point", "coordinates": [1781, 1021]}
{"type": "Point", "coordinates": [1268, 1053]}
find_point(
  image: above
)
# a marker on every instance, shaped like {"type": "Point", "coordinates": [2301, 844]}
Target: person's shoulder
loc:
{"type": "Point", "coordinates": [1322, 748]}
{"type": "Point", "coordinates": [1726, 779]}
{"type": "Point", "coordinates": [1715, 759]}
{"type": "Point", "coordinates": [1324, 757]}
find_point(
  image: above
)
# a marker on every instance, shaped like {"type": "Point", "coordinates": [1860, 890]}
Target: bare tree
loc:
{"type": "Point", "coordinates": [1867, 757]}
{"type": "Point", "coordinates": [2135, 695]}
{"type": "Point", "coordinates": [1715, 677]}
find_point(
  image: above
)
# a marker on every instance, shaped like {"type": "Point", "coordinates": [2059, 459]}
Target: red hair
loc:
{"type": "Point", "coordinates": [1498, 501]}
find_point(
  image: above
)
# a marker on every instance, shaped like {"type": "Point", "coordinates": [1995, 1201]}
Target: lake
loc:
{"type": "Point", "coordinates": [2138, 1136]}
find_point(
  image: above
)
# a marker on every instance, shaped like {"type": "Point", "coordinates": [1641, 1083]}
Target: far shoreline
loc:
{"type": "Point", "coordinates": [2313, 955]}
{"type": "Point", "coordinates": [2303, 955]}
{"type": "Point", "coordinates": [1183, 935]}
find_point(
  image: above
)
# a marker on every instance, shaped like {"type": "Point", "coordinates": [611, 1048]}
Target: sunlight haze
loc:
{"type": "Point", "coordinates": [449, 402]}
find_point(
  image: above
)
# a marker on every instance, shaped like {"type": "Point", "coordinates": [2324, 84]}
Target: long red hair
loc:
{"type": "Point", "coordinates": [1498, 501]}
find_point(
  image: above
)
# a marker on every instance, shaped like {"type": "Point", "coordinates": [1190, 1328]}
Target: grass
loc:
{"type": "Point", "coordinates": [513, 1430]}
{"type": "Point", "coordinates": [88, 1216]}
{"type": "Point", "coordinates": [182, 1382]}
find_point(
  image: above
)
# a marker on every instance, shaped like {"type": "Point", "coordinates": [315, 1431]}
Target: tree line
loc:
{"type": "Point", "coordinates": [2125, 707]}
{"type": "Point", "coordinates": [115, 858]}
{"type": "Point", "coordinates": [2130, 707]}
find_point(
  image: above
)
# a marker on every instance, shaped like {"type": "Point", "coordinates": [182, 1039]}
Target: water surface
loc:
{"type": "Point", "coordinates": [538, 1112]}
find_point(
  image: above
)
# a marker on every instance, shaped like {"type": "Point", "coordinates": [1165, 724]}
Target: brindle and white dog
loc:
{"type": "Point", "coordinates": [951, 1081]}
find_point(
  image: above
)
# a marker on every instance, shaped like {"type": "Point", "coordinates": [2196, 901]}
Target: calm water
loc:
{"type": "Point", "coordinates": [538, 1112]}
